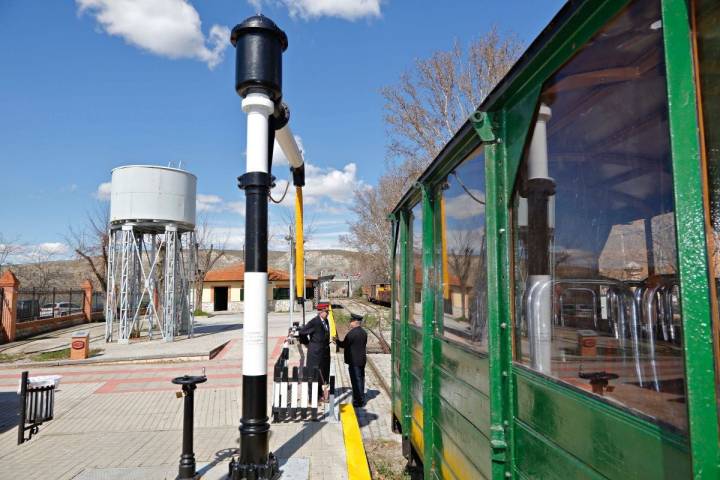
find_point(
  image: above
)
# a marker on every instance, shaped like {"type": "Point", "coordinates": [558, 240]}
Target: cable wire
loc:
{"type": "Point", "coordinates": [467, 190]}
{"type": "Point", "coordinates": [287, 186]}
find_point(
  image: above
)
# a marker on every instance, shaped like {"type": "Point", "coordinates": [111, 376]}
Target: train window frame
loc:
{"type": "Point", "coordinates": [476, 154]}
{"type": "Point", "coordinates": [414, 253]}
{"type": "Point", "coordinates": [514, 214]}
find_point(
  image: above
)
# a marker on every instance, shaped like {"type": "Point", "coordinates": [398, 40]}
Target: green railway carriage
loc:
{"type": "Point", "coordinates": [555, 269]}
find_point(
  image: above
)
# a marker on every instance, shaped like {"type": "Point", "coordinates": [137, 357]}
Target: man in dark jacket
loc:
{"type": "Point", "coordinates": [354, 345]}
{"type": "Point", "coordinates": [318, 348]}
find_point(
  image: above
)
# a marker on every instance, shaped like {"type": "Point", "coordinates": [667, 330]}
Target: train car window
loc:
{"type": "Point", "coordinates": [416, 229]}
{"type": "Point", "coordinates": [596, 285]}
{"type": "Point", "coordinates": [460, 261]}
{"type": "Point", "coordinates": [707, 35]}
{"type": "Point", "coordinates": [397, 275]}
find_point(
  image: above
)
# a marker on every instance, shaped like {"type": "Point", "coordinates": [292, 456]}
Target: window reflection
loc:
{"type": "Point", "coordinates": [416, 222]}
{"type": "Point", "coordinates": [461, 259]}
{"type": "Point", "coordinates": [597, 293]}
{"type": "Point", "coordinates": [397, 274]}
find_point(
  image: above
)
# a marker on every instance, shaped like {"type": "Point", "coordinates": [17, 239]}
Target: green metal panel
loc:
{"type": "Point", "coordinates": [428, 325]}
{"type": "Point", "coordinates": [499, 358]}
{"type": "Point", "coordinates": [465, 451]}
{"type": "Point", "coordinates": [415, 339]}
{"type": "Point", "coordinates": [463, 364]}
{"type": "Point", "coordinates": [466, 401]}
{"type": "Point", "coordinates": [613, 442]}
{"type": "Point", "coordinates": [517, 121]}
{"type": "Point", "coordinates": [692, 250]}
{"type": "Point", "coordinates": [539, 458]}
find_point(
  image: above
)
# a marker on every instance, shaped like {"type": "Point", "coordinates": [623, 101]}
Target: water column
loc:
{"type": "Point", "coordinates": [540, 218]}
{"type": "Point", "coordinates": [259, 45]}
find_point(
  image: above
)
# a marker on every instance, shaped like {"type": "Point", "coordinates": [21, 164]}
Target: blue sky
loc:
{"type": "Point", "coordinates": [93, 84]}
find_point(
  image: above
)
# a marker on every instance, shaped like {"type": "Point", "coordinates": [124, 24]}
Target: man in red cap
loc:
{"type": "Point", "coordinates": [318, 348]}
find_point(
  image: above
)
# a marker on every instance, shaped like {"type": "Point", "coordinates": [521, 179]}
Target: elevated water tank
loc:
{"type": "Point", "coordinates": [150, 194]}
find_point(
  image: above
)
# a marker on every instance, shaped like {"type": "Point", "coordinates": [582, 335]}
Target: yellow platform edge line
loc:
{"type": "Point", "coordinates": [357, 464]}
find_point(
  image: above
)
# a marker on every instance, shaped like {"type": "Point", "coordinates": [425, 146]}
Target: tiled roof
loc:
{"type": "Point", "coordinates": [235, 272]}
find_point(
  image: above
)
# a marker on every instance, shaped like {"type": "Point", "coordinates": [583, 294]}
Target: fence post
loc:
{"type": "Point", "coordinates": [10, 284]}
{"type": "Point", "coordinates": [87, 299]}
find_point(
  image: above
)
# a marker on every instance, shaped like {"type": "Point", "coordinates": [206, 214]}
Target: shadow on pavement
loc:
{"type": "Point", "coordinates": [202, 330]}
{"type": "Point", "coordinates": [293, 444]}
{"type": "Point", "coordinates": [9, 411]}
{"type": "Point", "coordinates": [220, 457]}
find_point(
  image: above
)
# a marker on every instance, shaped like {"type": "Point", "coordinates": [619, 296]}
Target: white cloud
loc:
{"type": "Point", "coordinates": [463, 206]}
{"type": "Point", "coordinates": [335, 185]}
{"type": "Point", "coordinates": [208, 203]}
{"type": "Point", "coordinates": [346, 9]}
{"type": "Point", "coordinates": [232, 237]}
{"type": "Point", "coordinates": [103, 191]}
{"type": "Point", "coordinates": [53, 248]}
{"type": "Point", "coordinates": [169, 28]}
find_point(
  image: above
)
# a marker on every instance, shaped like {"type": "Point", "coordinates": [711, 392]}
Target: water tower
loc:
{"type": "Point", "coordinates": [152, 252]}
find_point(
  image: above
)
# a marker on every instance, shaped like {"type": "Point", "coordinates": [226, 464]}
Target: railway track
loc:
{"type": "Point", "coordinates": [361, 307]}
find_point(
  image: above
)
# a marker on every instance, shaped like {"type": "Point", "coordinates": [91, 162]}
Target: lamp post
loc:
{"type": "Point", "coordinates": [259, 44]}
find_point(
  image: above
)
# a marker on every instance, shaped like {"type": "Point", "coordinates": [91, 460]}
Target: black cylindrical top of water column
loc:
{"type": "Point", "coordinates": [259, 45]}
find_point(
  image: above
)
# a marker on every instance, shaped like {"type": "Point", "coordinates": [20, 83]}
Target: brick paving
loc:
{"type": "Point", "coordinates": [127, 415]}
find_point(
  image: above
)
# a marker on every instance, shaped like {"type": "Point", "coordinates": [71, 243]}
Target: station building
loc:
{"type": "Point", "coordinates": [223, 289]}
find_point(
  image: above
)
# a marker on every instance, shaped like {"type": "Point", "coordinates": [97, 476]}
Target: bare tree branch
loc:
{"type": "Point", "coordinates": [422, 113]}
{"type": "Point", "coordinates": [91, 242]}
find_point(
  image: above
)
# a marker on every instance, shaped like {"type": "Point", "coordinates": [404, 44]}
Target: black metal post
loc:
{"type": "Point", "coordinates": [259, 44]}
{"type": "Point", "coordinates": [186, 470]}
{"type": "Point", "coordinates": [23, 407]}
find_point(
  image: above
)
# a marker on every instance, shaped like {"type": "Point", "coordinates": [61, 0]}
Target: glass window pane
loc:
{"type": "Point", "coordinates": [416, 224]}
{"type": "Point", "coordinates": [397, 274]}
{"type": "Point", "coordinates": [461, 254]}
{"type": "Point", "coordinates": [596, 286]}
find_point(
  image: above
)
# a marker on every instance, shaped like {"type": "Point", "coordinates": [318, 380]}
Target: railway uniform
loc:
{"type": "Point", "coordinates": [355, 346]}
{"type": "Point", "coordinates": [318, 348]}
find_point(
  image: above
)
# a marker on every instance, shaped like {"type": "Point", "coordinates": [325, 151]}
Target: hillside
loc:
{"type": "Point", "coordinates": [71, 273]}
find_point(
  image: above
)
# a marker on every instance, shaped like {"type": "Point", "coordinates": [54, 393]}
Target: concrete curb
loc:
{"type": "Point", "coordinates": [176, 357]}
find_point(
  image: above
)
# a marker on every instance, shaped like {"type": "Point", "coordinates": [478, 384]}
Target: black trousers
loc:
{"type": "Point", "coordinates": [357, 379]}
{"type": "Point", "coordinates": [322, 361]}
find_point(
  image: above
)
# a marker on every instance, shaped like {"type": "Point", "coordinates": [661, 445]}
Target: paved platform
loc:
{"type": "Point", "coordinates": [125, 418]}
{"type": "Point", "coordinates": [210, 334]}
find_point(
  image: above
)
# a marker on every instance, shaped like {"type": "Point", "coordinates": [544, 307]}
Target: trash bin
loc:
{"type": "Point", "coordinates": [37, 403]}
{"type": "Point", "coordinates": [80, 345]}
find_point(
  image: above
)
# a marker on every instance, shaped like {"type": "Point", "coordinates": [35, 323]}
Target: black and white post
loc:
{"type": "Point", "coordinates": [259, 46]}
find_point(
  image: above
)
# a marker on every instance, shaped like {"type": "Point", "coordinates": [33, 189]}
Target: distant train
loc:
{"type": "Point", "coordinates": [378, 293]}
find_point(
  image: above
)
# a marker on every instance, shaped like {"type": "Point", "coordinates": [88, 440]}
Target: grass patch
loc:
{"type": "Point", "coordinates": [63, 354]}
{"type": "Point", "coordinates": [200, 313]}
{"type": "Point", "coordinates": [9, 358]}
{"type": "Point", "coordinates": [386, 460]}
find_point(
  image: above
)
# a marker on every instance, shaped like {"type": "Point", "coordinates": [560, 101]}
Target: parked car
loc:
{"type": "Point", "coordinates": [59, 309]}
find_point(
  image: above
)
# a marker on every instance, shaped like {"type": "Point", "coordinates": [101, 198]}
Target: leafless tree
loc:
{"type": "Point", "coordinates": [430, 102]}
{"type": "Point", "coordinates": [9, 248]}
{"type": "Point", "coordinates": [210, 249]}
{"type": "Point", "coordinates": [422, 113]}
{"type": "Point", "coordinates": [91, 243]}
{"type": "Point", "coordinates": [40, 269]}
{"type": "Point", "coordinates": [462, 261]}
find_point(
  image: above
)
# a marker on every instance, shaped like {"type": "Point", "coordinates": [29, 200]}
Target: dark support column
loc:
{"type": "Point", "coordinates": [186, 470]}
{"type": "Point", "coordinates": [259, 44]}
